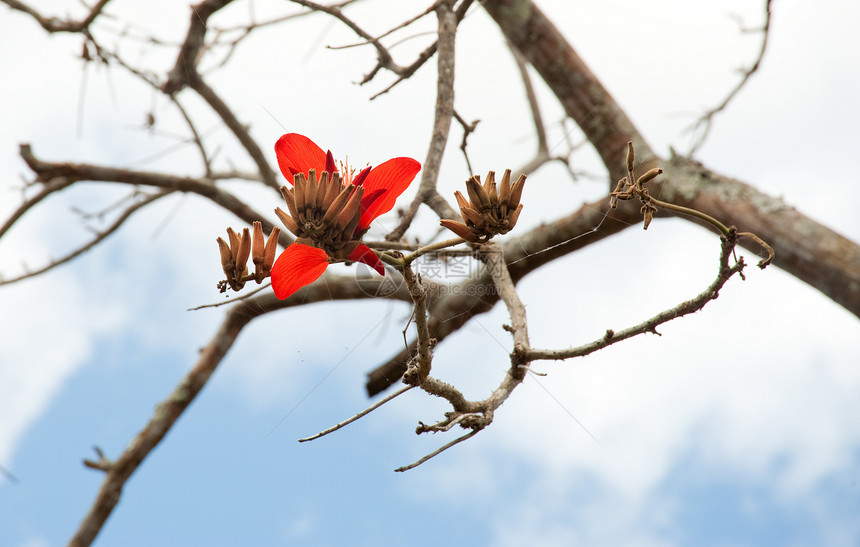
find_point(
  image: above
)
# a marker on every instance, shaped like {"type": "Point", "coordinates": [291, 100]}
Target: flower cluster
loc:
{"type": "Point", "coordinates": [234, 256]}
{"type": "Point", "coordinates": [489, 211]}
{"type": "Point", "coordinates": [330, 210]}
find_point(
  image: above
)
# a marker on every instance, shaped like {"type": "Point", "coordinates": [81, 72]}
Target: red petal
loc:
{"type": "Point", "coordinates": [359, 178]}
{"type": "Point", "coordinates": [329, 162]}
{"type": "Point", "coordinates": [365, 255]}
{"type": "Point", "coordinates": [298, 265]}
{"type": "Point", "coordinates": [369, 203]}
{"type": "Point", "coordinates": [297, 154]}
{"type": "Point", "coordinates": [393, 176]}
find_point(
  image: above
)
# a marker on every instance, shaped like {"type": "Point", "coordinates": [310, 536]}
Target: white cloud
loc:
{"type": "Point", "coordinates": [52, 332]}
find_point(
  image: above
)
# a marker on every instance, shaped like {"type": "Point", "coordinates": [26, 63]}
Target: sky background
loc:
{"type": "Point", "coordinates": [740, 425]}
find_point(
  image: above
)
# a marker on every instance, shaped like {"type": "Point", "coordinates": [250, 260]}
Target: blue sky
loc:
{"type": "Point", "coordinates": [739, 426]}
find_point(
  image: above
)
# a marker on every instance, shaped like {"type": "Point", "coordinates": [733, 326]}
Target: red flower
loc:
{"type": "Point", "coordinates": [301, 264]}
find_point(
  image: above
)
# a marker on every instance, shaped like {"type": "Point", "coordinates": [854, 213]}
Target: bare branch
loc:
{"type": "Point", "coordinates": [803, 247]}
{"type": "Point", "coordinates": [166, 414]}
{"type": "Point", "coordinates": [542, 154]}
{"type": "Point", "coordinates": [582, 95]}
{"type": "Point", "coordinates": [608, 128]}
{"type": "Point", "coordinates": [438, 451]}
{"type": "Point", "coordinates": [73, 172]}
{"type": "Point", "coordinates": [185, 68]}
{"type": "Point", "coordinates": [100, 236]}
{"type": "Point", "coordinates": [468, 128]}
{"type": "Point", "coordinates": [55, 184]}
{"type": "Point", "coordinates": [358, 416]}
{"type": "Point", "coordinates": [441, 126]}
{"type": "Point", "coordinates": [494, 258]}
{"type": "Point", "coordinates": [650, 325]}
{"type": "Point", "coordinates": [424, 56]}
{"type": "Point", "coordinates": [118, 471]}
{"type": "Point", "coordinates": [238, 128]}
{"type": "Point", "coordinates": [705, 122]}
{"type": "Point", "coordinates": [385, 58]}
{"type": "Point", "coordinates": [590, 223]}
{"type": "Point", "coordinates": [419, 299]}
{"type": "Point", "coordinates": [54, 24]}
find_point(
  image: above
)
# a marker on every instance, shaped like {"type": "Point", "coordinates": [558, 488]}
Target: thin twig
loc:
{"type": "Point", "coordinates": [650, 325]}
{"type": "Point", "coordinates": [54, 24]}
{"type": "Point", "coordinates": [438, 451]}
{"type": "Point", "coordinates": [385, 58]}
{"type": "Point", "coordinates": [239, 130]}
{"type": "Point", "coordinates": [361, 414]}
{"type": "Point", "coordinates": [542, 154]}
{"type": "Point", "coordinates": [705, 121]}
{"type": "Point", "coordinates": [441, 126]}
{"type": "Point", "coordinates": [468, 128]}
{"type": "Point", "coordinates": [423, 57]}
{"type": "Point", "coordinates": [72, 172]}
{"type": "Point", "coordinates": [100, 236]}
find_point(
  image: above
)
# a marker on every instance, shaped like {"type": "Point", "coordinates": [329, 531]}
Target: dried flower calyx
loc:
{"type": "Point", "coordinates": [235, 254]}
{"type": "Point", "coordinates": [489, 210]}
{"type": "Point", "coordinates": [630, 187]}
{"type": "Point", "coordinates": [324, 213]}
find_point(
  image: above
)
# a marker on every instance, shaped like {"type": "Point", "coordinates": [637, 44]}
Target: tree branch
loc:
{"type": "Point", "coordinates": [833, 269]}
{"type": "Point", "coordinates": [706, 120]}
{"type": "Point", "coordinates": [441, 126]}
{"type": "Point", "coordinates": [650, 325]}
{"type": "Point", "coordinates": [118, 472]}
{"type": "Point", "coordinates": [185, 68]}
{"type": "Point", "coordinates": [54, 24]}
{"type": "Point", "coordinates": [100, 236]}
{"type": "Point", "coordinates": [73, 172]}
{"type": "Point", "coordinates": [581, 94]}
{"type": "Point", "coordinates": [238, 129]}
{"type": "Point", "coordinates": [804, 248]}
{"type": "Point", "coordinates": [453, 308]}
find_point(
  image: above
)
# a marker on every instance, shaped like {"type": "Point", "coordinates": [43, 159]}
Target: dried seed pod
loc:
{"type": "Point", "coordinates": [460, 229]}
{"type": "Point", "coordinates": [257, 243]}
{"type": "Point", "coordinates": [234, 242]}
{"type": "Point", "coordinates": [227, 263]}
{"type": "Point", "coordinates": [234, 256]}
{"type": "Point", "coordinates": [650, 175]}
{"type": "Point", "coordinates": [351, 213]}
{"type": "Point", "coordinates": [288, 221]}
{"type": "Point", "coordinates": [333, 188]}
{"type": "Point", "coordinates": [477, 195]}
{"type": "Point", "coordinates": [467, 211]}
{"type": "Point", "coordinates": [244, 250]}
{"type": "Point", "coordinates": [514, 217]}
{"type": "Point", "coordinates": [290, 198]}
{"type": "Point", "coordinates": [299, 184]}
{"type": "Point", "coordinates": [490, 189]}
{"type": "Point", "coordinates": [311, 189]}
{"type": "Point", "coordinates": [490, 210]}
{"type": "Point", "coordinates": [630, 156]}
{"type": "Point", "coordinates": [517, 191]}
{"type": "Point", "coordinates": [505, 187]}
{"type": "Point", "coordinates": [270, 249]}
{"type": "Point", "coordinates": [337, 205]}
